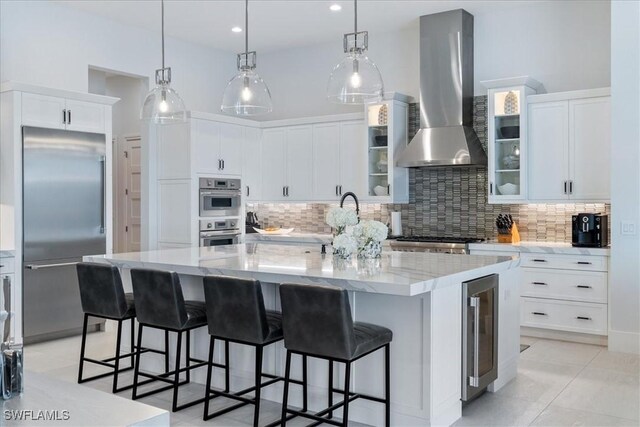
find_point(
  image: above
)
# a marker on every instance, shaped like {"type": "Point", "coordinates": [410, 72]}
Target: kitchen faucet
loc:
{"type": "Point", "coordinates": [355, 198]}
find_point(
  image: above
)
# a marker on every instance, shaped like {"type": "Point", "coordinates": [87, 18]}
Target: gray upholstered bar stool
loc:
{"type": "Point", "coordinates": [236, 313]}
{"type": "Point", "coordinates": [102, 295]}
{"type": "Point", "coordinates": [317, 322]}
{"type": "Point", "coordinates": [161, 305]}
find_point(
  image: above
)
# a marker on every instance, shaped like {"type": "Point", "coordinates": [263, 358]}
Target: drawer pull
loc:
{"type": "Point", "coordinates": [584, 263]}
{"type": "Point", "coordinates": [539, 260]}
{"type": "Point", "coordinates": [583, 318]}
{"type": "Point", "coordinates": [584, 287]}
{"type": "Point", "coordinates": [540, 283]}
{"type": "Point", "coordinates": [538, 313]}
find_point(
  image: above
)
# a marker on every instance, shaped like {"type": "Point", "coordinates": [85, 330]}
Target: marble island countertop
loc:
{"type": "Point", "coordinates": [293, 237]}
{"type": "Point", "coordinates": [395, 273]}
{"type": "Point", "coordinates": [539, 247]}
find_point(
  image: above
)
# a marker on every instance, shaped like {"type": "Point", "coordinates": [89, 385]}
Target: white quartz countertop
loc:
{"type": "Point", "coordinates": [85, 406]}
{"type": "Point", "coordinates": [291, 237]}
{"type": "Point", "coordinates": [395, 273]}
{"type": "Point", "coordinates": [539, 247]}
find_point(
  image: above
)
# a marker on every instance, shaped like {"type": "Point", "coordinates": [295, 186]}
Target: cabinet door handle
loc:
{"type": "Point", "coordinates": [538, 313]}
{"type": "Point", "coordinates": [539, 260]}
{"type": "Point", "coordinates": [222, 164]}
{"type": "Point", "coordinates": [583, 263]}
{"type": "Point", "coordinates": [583, 286]}
{"type": "Point", "coordinates": [287, 191]}
{"type": "Point", "coordinates": [248, 192]}
{"type": "Point", "coordinates": [341, 190]}
{"type": "Point", "coordinates": [68, 117]}
{"type": "Point", "coordinates": [337, 191]}
{"type": "Point", "coordinates": [491, 188]}
{"type": "Point", "coordinates": [565, 187]}
{"type": "Point", "coordinates": [540, 283]}
{"type": "Point", "coordinates": [64, 116]}
{"type": "Point", "coordinates": [583, 318]}
{"type": "Point", "coordinates": [570, 187]}
{"type": "Point", "coordinates": [284, 193]}
{"type": "Point", "coordinates": [388, 189]}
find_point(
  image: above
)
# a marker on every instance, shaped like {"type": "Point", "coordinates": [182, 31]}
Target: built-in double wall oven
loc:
{"type": "Point", "coordinates": [220, 211]}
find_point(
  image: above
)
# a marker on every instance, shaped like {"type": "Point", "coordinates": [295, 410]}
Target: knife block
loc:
{"type": "Point", "coordinates": [513, 237]}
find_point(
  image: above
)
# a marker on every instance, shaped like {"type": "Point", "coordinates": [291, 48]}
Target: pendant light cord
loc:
{"type": "Point", "coordinates": [246, 29]}
{"type": "Point", "coordinates": [355, 17]}
{"type": "Point", "coordinates": [162, 13]}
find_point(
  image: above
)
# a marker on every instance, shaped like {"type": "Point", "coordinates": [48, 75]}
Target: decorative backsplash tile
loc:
{"type": "Point", "coordinates": [443, 202]}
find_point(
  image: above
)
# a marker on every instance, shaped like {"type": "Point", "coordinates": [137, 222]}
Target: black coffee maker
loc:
{"type": "Point", "coordinates": [590, 230]}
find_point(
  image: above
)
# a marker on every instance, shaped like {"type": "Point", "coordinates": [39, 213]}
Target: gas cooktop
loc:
{"type": "Point", "coordinates": [452, 245]}
{"type": "Point", "coordinates": [428, 239]}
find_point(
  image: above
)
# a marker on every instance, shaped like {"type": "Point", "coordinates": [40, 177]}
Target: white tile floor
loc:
{"type": "Point", "coordinates": [558, 384]}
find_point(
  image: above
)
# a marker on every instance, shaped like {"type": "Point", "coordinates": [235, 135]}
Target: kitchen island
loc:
{"type": "Point", "coordinates": [417, 295]}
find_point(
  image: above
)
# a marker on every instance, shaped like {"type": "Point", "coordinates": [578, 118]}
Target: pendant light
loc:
{"type": "Point", "coordinates": [163, 105]}
{"type": "Point", "coordinates": [246, 93]}
{"type": "Point", "coordinates": [356, 79]}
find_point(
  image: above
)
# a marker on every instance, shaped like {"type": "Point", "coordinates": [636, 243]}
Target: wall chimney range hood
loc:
{"type": "Point", "coordinates": [446, 136]}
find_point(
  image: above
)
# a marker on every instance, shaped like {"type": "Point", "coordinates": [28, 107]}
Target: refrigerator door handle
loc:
{"type": "Point", "coordinates": [474, 380]}
{"type": "Point", "coordinates": [104, 192]}
{"type": "Point", "coordinates": [38, 267]}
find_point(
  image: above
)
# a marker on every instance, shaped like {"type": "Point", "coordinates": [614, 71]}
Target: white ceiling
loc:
{"type": "Point", "coordinates": [274, 24]}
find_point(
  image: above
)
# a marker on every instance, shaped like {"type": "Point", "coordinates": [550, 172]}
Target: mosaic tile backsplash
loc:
{"type": "Point", "coordinates": [443, 202]}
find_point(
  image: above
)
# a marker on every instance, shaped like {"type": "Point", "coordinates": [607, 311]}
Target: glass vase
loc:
{"type": "Point", "coordinates": [370, 250]}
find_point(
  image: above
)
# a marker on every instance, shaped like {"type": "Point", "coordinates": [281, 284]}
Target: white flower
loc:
{"type": "Point", "coordinates": [345, 243]}
{"type": "Point", "coordinates": [341, 217]}
{"type": "Point", "coordinates": [370, 231]}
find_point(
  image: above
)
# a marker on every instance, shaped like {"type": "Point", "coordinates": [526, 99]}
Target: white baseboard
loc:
{"type": "Point", "coordinates": [624, 342]}
{"type": "Point", "coordinates": [563, 336]}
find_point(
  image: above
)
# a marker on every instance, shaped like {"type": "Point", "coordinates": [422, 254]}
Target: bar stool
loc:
{"type": "Point", "coordinates": [102, 296]}
{"type": "Point", "coordinates": [317, 322]}
{"type": "Point", "coordinates": [236, 313]}
{"type": "Point", "coordinates": [161, 305]}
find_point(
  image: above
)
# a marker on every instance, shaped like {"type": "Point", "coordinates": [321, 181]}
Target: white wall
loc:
{"type": "Point", "coordinates": [51, 45]}
{"type": "Point", "coordinates": [564, 44]}
{"type": "Point", "coordinates": [624, 302]}
{"type": "Point", "coordinates": [126, 113]}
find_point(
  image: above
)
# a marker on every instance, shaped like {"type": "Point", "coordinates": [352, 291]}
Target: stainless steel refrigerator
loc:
{"type": "Point", "coordinates": [63, 219]}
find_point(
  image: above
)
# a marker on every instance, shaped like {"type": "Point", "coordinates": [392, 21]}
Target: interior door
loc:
{"type": "Point", "coordinates": [590, 148]}
{"type": "Point", "coordinates": [326, 161]}
{"type": "Point", "coordinates": [231, 137]}
{"type": "Point", "coordinates": [299, 163]}
{"type": "Point", "coordinates": [353, 163]}
{"type": "Point", "coordinates": [548, 151]}
{"type": "Point", "coordinates": [132, 194]}
{"type": "Point", "coordinates": [273, 164]}
{"type": "Point", "coordinates": [85, 116]}
{"type": "Point", "coordinates": [43, 111]}
{"type": "Point", "coordinates": [251, 167]}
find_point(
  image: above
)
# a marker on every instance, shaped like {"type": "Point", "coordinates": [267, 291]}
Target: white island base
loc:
{"type": "Point", "coordinates": [416, 295]}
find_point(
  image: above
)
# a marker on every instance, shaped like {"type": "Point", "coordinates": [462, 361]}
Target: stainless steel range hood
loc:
{"type": "Point", "coordinates": [446, 137]}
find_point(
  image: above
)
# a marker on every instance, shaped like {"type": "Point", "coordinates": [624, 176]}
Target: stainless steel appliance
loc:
{"type": "Point", "coordinates": [218, 232]}
{"type": "Point", "coordinates": [446, 136]}
{"type": "Point", "coordinates": [450, 245]}
{"type": "Point", "coordinates": [64, 219]}
{"type": "Point", "coordinates": [479, 335]}
{"type": "Point", "coordinates": [220, 197]}
{"type": "Point", "coordinates": [590, 230]}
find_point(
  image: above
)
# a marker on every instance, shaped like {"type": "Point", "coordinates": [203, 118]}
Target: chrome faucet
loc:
{"type": "Point", "coordinates": [355, 198]}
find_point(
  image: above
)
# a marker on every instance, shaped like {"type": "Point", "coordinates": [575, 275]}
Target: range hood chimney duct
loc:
{"type": "Point", "coordinates": [446, 136]}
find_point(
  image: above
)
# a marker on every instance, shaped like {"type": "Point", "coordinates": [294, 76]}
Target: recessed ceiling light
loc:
{"type": "Point", "coordinates": [335, 7]}
{"type": "Point", "coordinates": [236, 29]}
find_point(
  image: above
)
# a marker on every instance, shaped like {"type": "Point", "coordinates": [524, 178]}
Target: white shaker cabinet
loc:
{"type": "Point", "coordinates": [326, 161]}
{"type": "Point", "coordinates": [353, 165]}
{"type": "Point", "coordinates": [231, 137]}
{"type": "Point", "coordinates": [218, 147]}
{"type": "Point", "coordinates": [299, 149]}
{"type": "Point", "coordinates": [570, 146]}
{"type": "Point", "coordinates": [60, 113]}
{"type": "Point", "coordinates": [273, 164]}
{"type": "Point", "coordinates": [251, 164]}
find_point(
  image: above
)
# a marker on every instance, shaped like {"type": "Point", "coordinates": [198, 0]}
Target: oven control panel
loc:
{"type": "Point", "coordinates": [219, 224]}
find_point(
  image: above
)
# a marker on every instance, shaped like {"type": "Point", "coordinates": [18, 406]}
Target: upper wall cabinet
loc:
{"type": "Point", "coordinates": [251, 164]}
{"type": "Point", "coordinates": [507, 138]}
{"type": "Point", "coordinates": [218, 147]}
{"type": "Point", "coordinates": [338, 166]}
{"type": "Point", "coordinates": [60, 113]}
{"type": "Point", "coordinates": [570, 146]}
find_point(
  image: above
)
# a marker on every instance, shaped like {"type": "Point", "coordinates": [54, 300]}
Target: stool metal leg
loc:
{"type": "Point", "coordinates": [347, 380]}
{"type": "Point", "coordinates": [116, 368]}
{"type": "Point", "coordinates": [188, 353]}
{"type": "Point", "coordinates": [285, 394]}
{"type": "Point", "coordinates": [304, 383]}
{"type": "Point", "coordinates": [132, 340]}
{"type": "Point", "coordinates": [136, 370]}
{"type": "Point", "coordinates": [387, 385]}
{"type": "Point", "coordinates": [176, 381]}
{"type": "Point", "coordinates": [166, 350]}
{"type": "Point", "coordinates": [330, 397]}
{"type": "Point", "coordinates": [207, 388]}
{"type": "Point", "coordinates": [258, 377]}
{"type": "Point", "coordinates": [82, 347]}
{"type": "Point", "coordinates": [227, 374]}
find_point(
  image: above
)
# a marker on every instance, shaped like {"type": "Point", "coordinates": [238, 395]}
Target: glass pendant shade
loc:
{"type": "Point", "coordinates": [247, 95]}
{"type": "Point", "coordinates": [163, 106]}
{"type": "Point", "coordinates": [355, 80]}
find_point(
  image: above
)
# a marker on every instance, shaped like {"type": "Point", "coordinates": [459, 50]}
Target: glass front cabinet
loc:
{"type": "Point", "coordinates": [507, 138]}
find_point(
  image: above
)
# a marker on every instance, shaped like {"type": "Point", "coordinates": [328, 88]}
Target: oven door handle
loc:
{"type": "Point", "coordinates": [225, 193]}
{"type": "Point", "coordinates": [474, 302]}
{"type": "Point", "coordinates": [208, 234]}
